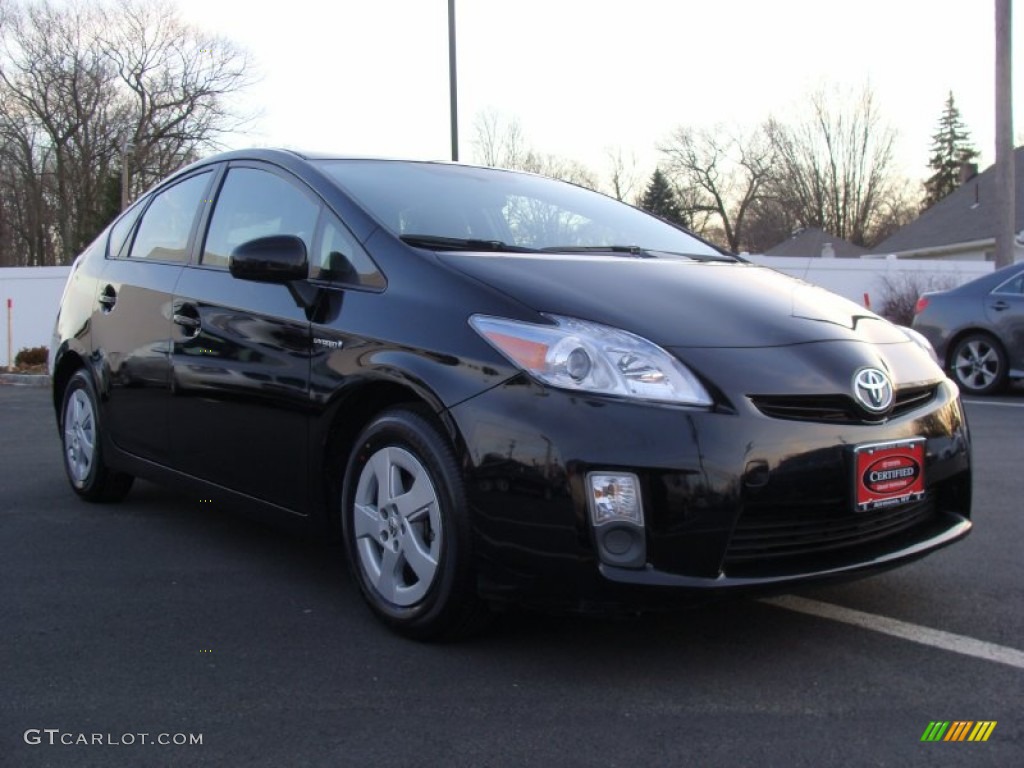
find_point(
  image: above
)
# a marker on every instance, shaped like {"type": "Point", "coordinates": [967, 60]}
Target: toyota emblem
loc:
{"type": "Point", "coordinates": [873, 389]}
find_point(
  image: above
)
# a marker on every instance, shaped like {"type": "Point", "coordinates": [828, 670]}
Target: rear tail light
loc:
{"type": "Point", "coordinates": [922, 303]}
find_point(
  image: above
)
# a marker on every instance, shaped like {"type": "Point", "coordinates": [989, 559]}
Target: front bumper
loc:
{"type": "Point", "coordinates": [734, 500]}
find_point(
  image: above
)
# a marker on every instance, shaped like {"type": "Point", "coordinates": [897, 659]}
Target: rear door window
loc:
{"type": "Point", "coordinates": [167, 223]}
{"type": "Point", "coordinates": [1015, 285]}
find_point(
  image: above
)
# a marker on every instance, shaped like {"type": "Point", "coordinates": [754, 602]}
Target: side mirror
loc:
{"type": "Point", "coordinates": [274, 259]}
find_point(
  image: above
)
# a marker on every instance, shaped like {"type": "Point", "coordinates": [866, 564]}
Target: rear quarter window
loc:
{"type": "Point", "coordinates": [121, 231]}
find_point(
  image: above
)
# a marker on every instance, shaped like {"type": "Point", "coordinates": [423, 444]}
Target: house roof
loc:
{"type": "Point", "coordinates": [965, 215]}
{"type": "Point", "coordinates": [810, 241]}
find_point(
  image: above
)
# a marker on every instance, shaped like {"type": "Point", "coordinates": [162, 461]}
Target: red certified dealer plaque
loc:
{"type": "Point", "coordinates": [888, 474]}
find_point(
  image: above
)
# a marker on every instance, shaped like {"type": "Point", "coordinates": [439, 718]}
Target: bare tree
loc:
{"type": "Point", "coordinates": [500, 142]}
{"type": "Point", "coordinates": [900, 292]}
{"type": "Point", "coordinates": [624, 176]}
{"type": "Point", "coordinates": [176, 81]}
{"type": "Point", "coordinates": [56, 87]}
{"type": "Point", "coordinates": [557, 167]}
{"type": "Point", "coordinates": [768, 223]}
{"type": "Point", "coordinates": [79, 83]}
{"type": "Point", "coordinates": [896, 209]}
{"type": "Point", "coordinates": [26, 205]}
{"type": "Point", "coordinates": [835, 168]}
{"type": "Point", "coordinates": [721, 174]}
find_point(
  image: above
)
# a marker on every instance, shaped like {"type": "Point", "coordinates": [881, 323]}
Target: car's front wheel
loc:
{"type": "Point", "coordinates": [407, 530]}
{"type": "Point", "coordinates": [978, 364]}
{"type": "Point", "coordinates": [90, 477]}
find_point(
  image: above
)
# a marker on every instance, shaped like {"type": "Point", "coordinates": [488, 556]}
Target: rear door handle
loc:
{"type": "Point", "coordinates": [108, 298]}
{"type": "Point", "coordinates": [187, 316]}
{"type": "Point", "coordinates": [186, 322]}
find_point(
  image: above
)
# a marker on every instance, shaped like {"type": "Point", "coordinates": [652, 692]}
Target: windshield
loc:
{"type": "Point", "coordinates": [438, 205]}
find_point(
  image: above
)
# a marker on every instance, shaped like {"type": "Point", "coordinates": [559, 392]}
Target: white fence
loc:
{"type": "Point", "coordinates": [856, 279]}
{"type": "Point", "coordinates": [29, 297]}
{"type": "Point", "coordinates": [34, 292]}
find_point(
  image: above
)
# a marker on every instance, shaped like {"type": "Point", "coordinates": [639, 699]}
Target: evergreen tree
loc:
{"type": "Point", "coordinates": [660, 199]}
{"type": "Point", "coordinates": [951, 147]}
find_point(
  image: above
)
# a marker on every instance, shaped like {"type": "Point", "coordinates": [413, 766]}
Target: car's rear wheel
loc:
{"type": "Point", "coordinates": [978, 364]}
{"type": "Point", "coordinates": [89, 475]}
{"type": "Point", "coordinates": [407, 528]}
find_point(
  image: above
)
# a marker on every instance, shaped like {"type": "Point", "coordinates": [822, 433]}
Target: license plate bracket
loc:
{"type": "Point", "coordinates": [888, 474]}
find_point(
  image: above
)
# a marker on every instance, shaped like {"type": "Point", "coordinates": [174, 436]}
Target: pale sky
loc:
{"type": "Point", "coordinates": [370, 77]}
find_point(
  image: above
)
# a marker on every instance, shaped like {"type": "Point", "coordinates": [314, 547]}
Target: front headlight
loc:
{"type": "Point", "coordinates": [580, 355]}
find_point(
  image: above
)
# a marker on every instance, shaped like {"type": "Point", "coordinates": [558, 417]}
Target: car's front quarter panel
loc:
{"type": "Point", "coordinates": [410, 343]}
{"type": "Point", "coordinates": [404, 335]}
{"type": "Point", "coordinates": [528, 449]}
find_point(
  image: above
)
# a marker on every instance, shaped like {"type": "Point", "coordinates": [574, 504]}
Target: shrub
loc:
{"type": "Point", "coordinates": [31, 356]}
{"type": "Point", "coordinates": [901, 291]}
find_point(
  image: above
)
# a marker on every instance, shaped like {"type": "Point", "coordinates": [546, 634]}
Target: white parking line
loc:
{"type": "Point", "coordinates": [936, 638]}
{"type": "Point", "coordinates": [991, 402]}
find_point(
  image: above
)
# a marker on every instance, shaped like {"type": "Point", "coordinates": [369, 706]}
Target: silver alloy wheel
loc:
{"type": "Point", "coordinates": [79, 435]}
{"type": "Point", "coordinates": [976, 364]}
{"type": "Point", "coordinates": [397, 526]}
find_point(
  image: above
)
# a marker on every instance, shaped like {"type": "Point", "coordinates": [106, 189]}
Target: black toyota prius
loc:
{"type": "Point", "coordinates": [497, 387]}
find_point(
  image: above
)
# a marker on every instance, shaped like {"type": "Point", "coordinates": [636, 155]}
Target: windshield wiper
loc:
{"type": "Point", "coordinates": [632, 250]}
{"type": "Point", "coordinates": [703, 256]}
{"type": "Point", "coordinates": [637, 251]}
{"type": "Point", "coordinates": [440, 243]}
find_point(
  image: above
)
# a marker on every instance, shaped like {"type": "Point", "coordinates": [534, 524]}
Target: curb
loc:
{"type": "Point", "coordinates": [25, 379]}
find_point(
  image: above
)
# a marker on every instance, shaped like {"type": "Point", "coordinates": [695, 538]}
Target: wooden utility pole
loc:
{"type": "Point", "coordinates": [10, 334]}
{"type": "Point", "coordinates": [1005, 183]}
{"type": "Point", "coordinates": [124, 173]}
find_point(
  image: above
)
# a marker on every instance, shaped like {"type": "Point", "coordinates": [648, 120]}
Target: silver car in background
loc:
{"type": "Point", "coordinates": [977, 329]}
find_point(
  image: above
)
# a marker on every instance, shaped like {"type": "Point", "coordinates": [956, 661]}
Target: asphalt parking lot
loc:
{"type": "Point", "coordinates": [164, 617]}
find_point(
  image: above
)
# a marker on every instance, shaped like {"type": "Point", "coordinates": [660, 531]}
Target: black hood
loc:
{"type": "Point", "coordinates": [679, 303]}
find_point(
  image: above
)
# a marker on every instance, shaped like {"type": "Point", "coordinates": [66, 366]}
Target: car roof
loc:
{"type": "Point", "coordinates": [299, 160]}
{"type": "Point", "coordinates": [988, 282]}
{"type": "Point", "coordinates": [281, 155]}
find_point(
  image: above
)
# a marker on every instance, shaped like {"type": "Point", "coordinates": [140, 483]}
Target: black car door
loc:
{"type": "Point", "coordinates": [241, 349]}
{"type": "Point", "coordinates": [131, 325]}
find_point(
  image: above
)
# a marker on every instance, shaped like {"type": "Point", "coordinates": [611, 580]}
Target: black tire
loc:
{"type": "Point", "coordinates": [82, 443]}
{"type": "Point", "coordinates": [977, 364]}
{"type": "Point", "coordinates": [410, 545]}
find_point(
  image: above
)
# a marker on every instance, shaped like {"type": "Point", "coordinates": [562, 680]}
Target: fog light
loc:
{"type": "Point", "coordinates": [615, 498]}
{"type": "Point", "coordinates": [618, 518]}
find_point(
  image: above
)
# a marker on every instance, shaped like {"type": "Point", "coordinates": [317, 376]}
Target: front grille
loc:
{"type": "Point", "coordinates": [909, 399]}
{"type": "Point", "coordinates": [774, 534]}
{"type": "Point", "coordinates": [831, 408]}
{"type": "Point", "coordinates": [837, 409]}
